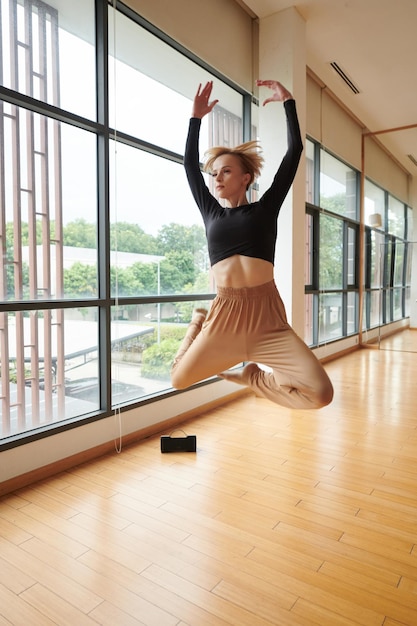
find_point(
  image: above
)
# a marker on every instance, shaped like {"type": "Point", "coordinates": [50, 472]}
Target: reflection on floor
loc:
{"type": "Point", "coordinates": [403, 341]}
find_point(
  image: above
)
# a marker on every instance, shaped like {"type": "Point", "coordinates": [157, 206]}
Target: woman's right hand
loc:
{"type": "Point", "coordinates": [201, 104]}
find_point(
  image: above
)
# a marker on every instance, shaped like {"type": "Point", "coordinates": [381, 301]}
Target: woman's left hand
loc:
{"type": "Point", "coordinates": [280, 93]}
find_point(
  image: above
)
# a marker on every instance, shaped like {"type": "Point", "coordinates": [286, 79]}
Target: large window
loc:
{"type": "Point", "coordinates": [332, 251]}
{"type": "Point", "coordinates": [332, 230]}
{"type": "Point", "coordinates": [104, 251]}
{"type": "Point", "coordinates": [387, 258]}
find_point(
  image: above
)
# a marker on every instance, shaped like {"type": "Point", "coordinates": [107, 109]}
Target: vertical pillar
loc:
{"type": "Point", "coordinates": [282, 56]}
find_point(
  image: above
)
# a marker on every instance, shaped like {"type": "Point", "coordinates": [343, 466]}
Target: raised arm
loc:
{"type": "Point", "coordinates": [201, 107]}
{"type": "Point", "coordinates": [284, 177]}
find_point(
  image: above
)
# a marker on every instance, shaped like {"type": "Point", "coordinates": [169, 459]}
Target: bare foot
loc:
{"type": "Point", "coordinates": [240, 376]}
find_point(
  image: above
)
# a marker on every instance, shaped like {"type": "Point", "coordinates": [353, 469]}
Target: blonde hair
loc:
{"type": "Point", "coordinates": [249, 154]}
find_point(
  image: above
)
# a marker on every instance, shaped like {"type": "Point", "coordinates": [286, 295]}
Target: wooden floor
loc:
{"type": "Point", "coordinates": [281, 517]}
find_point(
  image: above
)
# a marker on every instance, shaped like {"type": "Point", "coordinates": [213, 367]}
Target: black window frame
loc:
{"type": "Point", "coordinates": [104, 135]}
{"type": "Point", "coordinates": [315, 290]}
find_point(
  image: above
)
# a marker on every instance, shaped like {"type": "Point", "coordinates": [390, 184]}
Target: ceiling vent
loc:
{"type": "Point", "coordinates": [348, 81]}
{"type": "Point", "coordinates": [412, 159]}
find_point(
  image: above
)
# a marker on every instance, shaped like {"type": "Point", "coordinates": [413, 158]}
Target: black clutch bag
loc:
{"type": "Point", "coordinates": [188, 443]}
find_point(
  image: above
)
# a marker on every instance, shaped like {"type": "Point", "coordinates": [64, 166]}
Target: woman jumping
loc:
{"type": "Point", "coordinates": [247, 320]}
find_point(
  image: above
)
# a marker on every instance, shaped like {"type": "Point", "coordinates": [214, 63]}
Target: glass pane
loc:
{"type": "Point", "coordinates": [407, 303]}
{"type": "Point", "coordinates": [338, 187]}
{"type": "Point", "coordinates": [377, 258]}
{"type": "Point", "coordinates": [399, 264]}
{"type": "Point", "coordinates": [410, 223]}
{"type": "Point", "coordinates": [352, 306]}
{"type": "Point", "coordinates": [386, 257]}
{"type": "Point", "coordinates": [409, 251]}
{"type": "Point", "coordinates": [144, 344]}
{"type": "Point", "coordinates": [396, 217]}
{"type": "Point", "coordinates": [48, 52]}
{"type": "Point", "coordinates": [49, 186]}
{"type": "Point", "coordinates": [374, 205]}
{"type": "Point", "coordinates": [330, 316]}
{"type": "Point", "coordinates": [351, 257]}
{"type": "Point", "coordinates": [365, 310]}
{"type": "Point", "coordinates": [49, 367]}
{"type": "Point", "coordinates": [158, 234]}
{"type": "Point", "coordinates": [151, 100]}
{"type": "Point", "coordinates": [310, 172]}
{"type": "Point", "coordinates": [308, 263]}
{"type": "Point", "coordinates": [386, 306]}
{"type": "Point", "coordinates": [375, 308]}
{"type": "Point", "coordinates": [397, 303]}
{"type": "Point", "coordinates": [308, 319]}
{"type": "Point", "coordinates": [331, 253]}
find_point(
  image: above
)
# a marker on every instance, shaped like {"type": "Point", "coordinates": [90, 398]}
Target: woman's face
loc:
{"type": "Point", "coordinates": [230, 179]}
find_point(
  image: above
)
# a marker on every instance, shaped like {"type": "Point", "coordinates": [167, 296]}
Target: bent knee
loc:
{"type": "Point", "coordinates": [177, 380]}
{"type": "Point", "coordinates": [324, 395]}
{"type": "Point", "coordinates": [178, 384]}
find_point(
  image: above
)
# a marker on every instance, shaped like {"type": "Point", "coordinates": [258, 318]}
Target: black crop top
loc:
{"type": "Point", "coordinates": [251, 229]}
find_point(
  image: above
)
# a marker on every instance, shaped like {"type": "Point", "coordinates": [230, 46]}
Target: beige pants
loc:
{"type": "Point", "coordinates": [250, 324]}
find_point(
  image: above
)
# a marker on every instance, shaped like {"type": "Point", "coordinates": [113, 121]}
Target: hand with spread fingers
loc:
{"type": "Point", "coordinates": [202, 105]}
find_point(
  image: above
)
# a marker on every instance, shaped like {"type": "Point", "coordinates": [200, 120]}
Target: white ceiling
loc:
{"type": "Point", "coordinates": [375, 43]}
